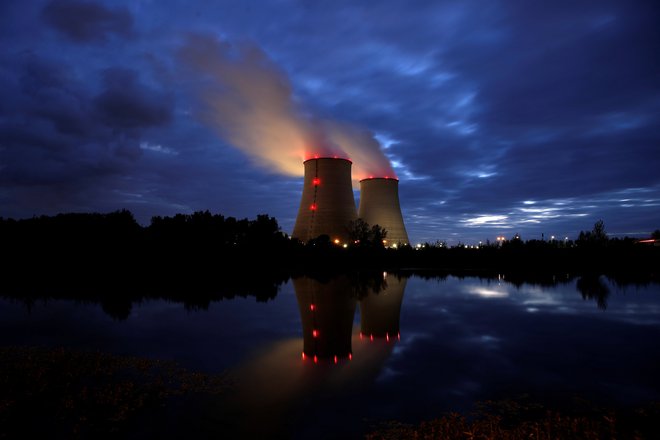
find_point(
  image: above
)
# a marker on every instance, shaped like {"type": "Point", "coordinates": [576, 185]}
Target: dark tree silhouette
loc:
{"type": "Point", "coordinates": [364, 235]}
{"type": "Point", "coordinates": [596, 237]}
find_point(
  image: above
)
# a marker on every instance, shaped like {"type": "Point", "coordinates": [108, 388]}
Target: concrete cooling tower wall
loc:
{"type": "Point", "coordinates": [327, 204]}
{"type": "Point", "coordinates": [379, 205]}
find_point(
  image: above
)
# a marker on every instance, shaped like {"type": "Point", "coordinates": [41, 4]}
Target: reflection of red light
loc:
{"type": "Point", "coordinates": [313, 207]}
{"type": "Point", "coordinates": [316, 181]}
{"type": "Point", "coordinates": [398, 336]}
{"type": "Point", "coordinates": [303, 356]}
{"type": "Point", "coordinates": [315, 333]}
{"type": "Point", "coordinates": [371, 337]}
{"type": "Point", "coordinates": [316, 360]}
{"type": "Point", "coordinates": [360, 335]}
{"type": "Point", "coordinates": [312, 307]}
{"type": "Point", "coordinates": [387, 337]}
{"type": "Point", "coordinates": [350, 356]}
{"type": "Point", "coordinates": [335, 359]}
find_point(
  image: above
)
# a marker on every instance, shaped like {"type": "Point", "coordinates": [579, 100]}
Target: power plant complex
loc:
{"type": "Point", "coordinates": [327, 205]}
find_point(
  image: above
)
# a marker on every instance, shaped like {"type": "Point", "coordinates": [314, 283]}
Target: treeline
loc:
{"type": "Point", "coordinates": [200, 258]}
{"type": "Point", "coordinates": [207, 244]}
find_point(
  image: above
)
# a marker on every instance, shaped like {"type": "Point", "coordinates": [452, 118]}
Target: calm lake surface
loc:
{"type": "Point", "coordinates": [438, 345]}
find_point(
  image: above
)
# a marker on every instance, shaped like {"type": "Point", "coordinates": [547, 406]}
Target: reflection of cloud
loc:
{"type": "Point", "coordinates": [487, 292]}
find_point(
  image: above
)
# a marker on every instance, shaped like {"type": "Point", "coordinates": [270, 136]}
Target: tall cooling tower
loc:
{"type": "Point", "coordinates": [327, 204]}
{"type": "Point", "coordinates": [379, 205]}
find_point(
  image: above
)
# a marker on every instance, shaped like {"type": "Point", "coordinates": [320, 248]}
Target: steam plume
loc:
{"type": "Point", "coordinates": [249, 101]}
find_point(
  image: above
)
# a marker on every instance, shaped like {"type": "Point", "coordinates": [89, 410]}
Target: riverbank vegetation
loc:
{"type": "Point", "coordinates": [66, 393]}
{"type": "Point", "coordinates": [204, 241]}
{"type": "Point", "coordinates": [524, 418]}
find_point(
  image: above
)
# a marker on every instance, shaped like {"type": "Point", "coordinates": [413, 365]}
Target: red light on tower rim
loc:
{"type": "Point", "coordinates": [316, 156]}
{"type": "Point", "coordinates": [380, 178]}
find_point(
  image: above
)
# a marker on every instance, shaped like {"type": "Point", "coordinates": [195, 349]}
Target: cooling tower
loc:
{"type": "Point", "coordinates": [326, 310]}
{"type": "Point", "coordinates": [327, 204]}
{"type": "Point", "coordinates": [379, 311]}
{"type": "Point", "coordinates": [379, 205]}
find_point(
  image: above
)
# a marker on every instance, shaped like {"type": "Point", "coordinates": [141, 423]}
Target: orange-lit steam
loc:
{"type": "Point", "coordinates": [249, 101]}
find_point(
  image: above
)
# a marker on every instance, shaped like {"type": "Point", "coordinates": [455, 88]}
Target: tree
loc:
{"type": "Point", "coordinates": [363, 234]}
{"type": "Point", "coordinates": [597, 236]}
{"type": "Point", "coordinates": [656, 234]}
{"type": "Point", "coordinates": [598, 232]}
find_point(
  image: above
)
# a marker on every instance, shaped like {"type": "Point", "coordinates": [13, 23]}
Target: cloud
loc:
{"type": "Point", "coordinates": [250, 102]}
{"type": "Point", "coordinates": [125, 103]}
{"type": "Point", "coordinates": [83, 21]}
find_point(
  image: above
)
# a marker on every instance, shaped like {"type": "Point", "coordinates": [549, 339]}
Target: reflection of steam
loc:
{"type": "Point", "coordinates": [249, 101]}
{"type": "Point", "coordinates": [278, 382]}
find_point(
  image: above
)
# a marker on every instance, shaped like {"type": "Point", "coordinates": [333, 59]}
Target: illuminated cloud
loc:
{"type": "Point", "coordinates": [250, 102]}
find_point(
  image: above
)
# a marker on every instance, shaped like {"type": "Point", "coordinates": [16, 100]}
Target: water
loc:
{"type": "Point", "coordinates": [439, 344]}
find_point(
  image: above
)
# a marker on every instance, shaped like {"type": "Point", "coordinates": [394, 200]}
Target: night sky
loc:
{"type": "Point", "coordinates": [498, 117]}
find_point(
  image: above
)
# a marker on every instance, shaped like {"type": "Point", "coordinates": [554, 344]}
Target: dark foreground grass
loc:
{"type": "Point", "coordinates": [522, 419]}
{"type": "Point", "coordinates": [63, 393]}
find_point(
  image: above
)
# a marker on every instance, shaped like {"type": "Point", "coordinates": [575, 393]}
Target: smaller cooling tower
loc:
{"type": "Point", "coordinates": [327, 205]}
{"type": "Point", "coordinates": [379, 205]}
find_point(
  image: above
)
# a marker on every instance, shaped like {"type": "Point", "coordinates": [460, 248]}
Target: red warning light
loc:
{"type": "Point", "coordinates": [398, 336]}
{"type": "Point", "coordinates": [316, 181]}
{"type": "Point", "coordinates": [303, 356]}
{"type": "Point", "coordinates": [361, 335]}
{"type": "Point", "coordinates": [350, 356]}
{"type": "Point", "coordinates": [315, 333]}
{"type": "Point", "coordinates": [312, 307]}
{"type": "Point", "coordinates": [335, 359]}
{"type": "Point", "coordinates": [387, 337]}
{"type": "Point", "coordinates": [313, 207]}
{"type": "Point", "coordinates": [316, 360]}
{"type": "Point", "coordinates": [371, 337]}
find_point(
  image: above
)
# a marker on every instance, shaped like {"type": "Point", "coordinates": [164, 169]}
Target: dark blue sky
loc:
{"type": "Point", "coordinates": [499, 117]}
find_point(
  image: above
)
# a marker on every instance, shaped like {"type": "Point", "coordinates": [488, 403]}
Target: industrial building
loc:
{"type": "Point", "coordinates": [327, 205]}
{"type": "Point", "coordinates": [379, 205]}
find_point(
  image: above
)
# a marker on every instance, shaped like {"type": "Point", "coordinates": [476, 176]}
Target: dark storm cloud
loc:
{"type": "Point", "coordinates": [124, 103]}
{"type": "Point", "coordinates": [84, 21]}
{"type": "Point", "coordinates": [498, 117]}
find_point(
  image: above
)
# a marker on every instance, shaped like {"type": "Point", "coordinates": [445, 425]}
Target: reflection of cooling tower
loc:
{"type": "Point", "coordinates": [379, 312]}
{"type": "Point", "coordinates": [327, 204]}
{"type": "Point", "coordinates": [327, 311]}
{"type": "Point", "coordinates": [379, 205]}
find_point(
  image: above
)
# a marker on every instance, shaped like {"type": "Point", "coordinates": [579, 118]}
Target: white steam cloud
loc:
{"type": "Point", "coordinates": [249, 101]}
